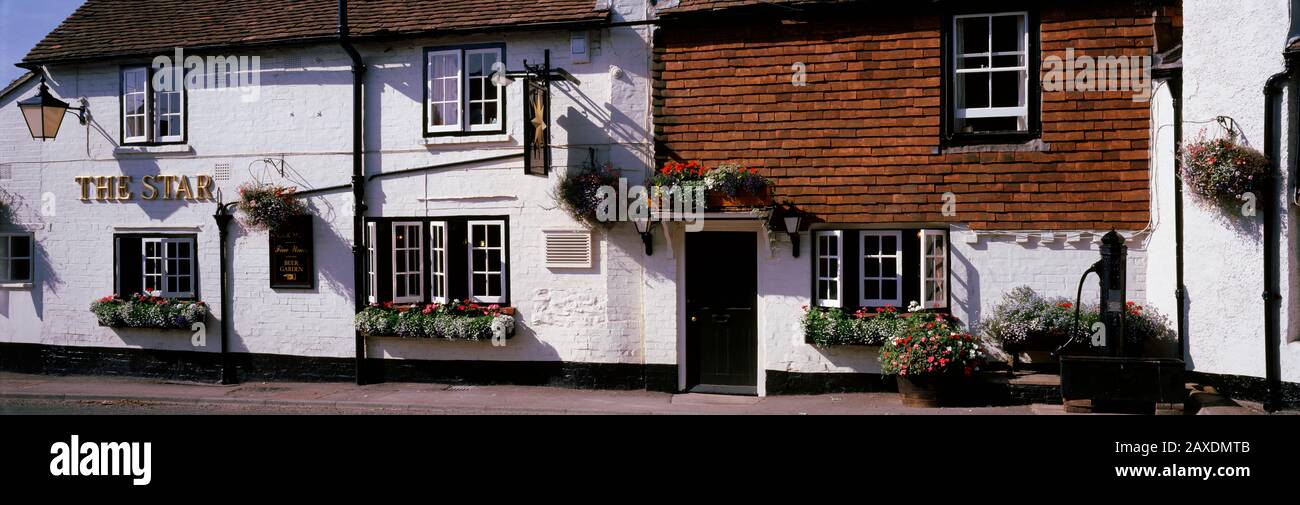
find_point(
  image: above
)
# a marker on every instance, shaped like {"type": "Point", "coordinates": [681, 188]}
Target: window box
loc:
{"type": "Point", "coordinates": [829, 326]}
{"type": "Point", "coordinates": [453, 321]}
{"type": "Point", "coordinates": [718, 200]}
{"type": "Point", "coordinates": [141, 311]}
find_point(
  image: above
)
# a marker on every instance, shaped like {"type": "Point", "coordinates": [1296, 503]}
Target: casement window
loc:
{"type": "Point", "coordinates": [438, 260]}
{"type": "Point", "coordinates": [150, 115]}
{"type": "Point", "coordinates": [487, 247]}
{"type": "Point", "coordinates": [16, 258]}
{"type": "Point", "coordinates": [460, 97]}
{"type": "Point", "coordinates": [876, 268]}
{"type": "Point", "coordinates": [408, 262]}
{"type": "Point", "coordinates": [372, 294]}
{"type": "Point", "coordinates": [882, 268]}
{"type": "Point", "coordinates": [992, 74]}
{"type": "Point", "coordinates": [830, 275]}
{"type": "Point", "coordinates": [156, 265]}
{"type": "Point", "coordinates": [934, 269]}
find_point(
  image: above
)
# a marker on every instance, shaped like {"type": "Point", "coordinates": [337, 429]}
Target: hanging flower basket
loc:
{"type": "Point", "coordinates": [1223, 169]}
{"type": "Point", "coordinates": [143, 311]}
{"type": "Point", "coordinates": [579, 193]}
{"type": "Point", "coordinates": [267, 206]}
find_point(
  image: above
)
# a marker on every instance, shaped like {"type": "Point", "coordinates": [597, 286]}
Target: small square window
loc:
{"type": "Point", "coordinates": [16, 254]}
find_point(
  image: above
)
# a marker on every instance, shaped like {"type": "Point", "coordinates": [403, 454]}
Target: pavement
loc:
{"type": "Point", "coordinates": [48, 394]}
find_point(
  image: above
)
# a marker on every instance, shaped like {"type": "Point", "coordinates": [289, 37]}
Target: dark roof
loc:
{"type": "Point", "coordinates": [104, 28]}
{"type": "Point", "coordinates": [684, 6]}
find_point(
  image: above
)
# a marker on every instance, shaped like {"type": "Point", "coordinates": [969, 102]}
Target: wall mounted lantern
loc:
{"type": "Point", "coordinates": [44, 113]}
{"type": "Point", "coordinates": [792, 219]}
{"type": "Point", "coordinates": [643, 227]}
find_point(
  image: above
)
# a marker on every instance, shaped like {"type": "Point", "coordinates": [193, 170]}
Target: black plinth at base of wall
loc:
{"type": "Point", "coordinates": [1110, 379]}
{"type": "Point", "coordinates": [206, 367]}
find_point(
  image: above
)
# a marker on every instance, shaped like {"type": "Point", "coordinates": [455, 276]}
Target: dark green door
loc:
{"type": "Point", "coordinates": [722, 322]}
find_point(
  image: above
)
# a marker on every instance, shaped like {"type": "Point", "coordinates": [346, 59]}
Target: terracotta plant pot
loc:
{"type": "Point", "coordinates": [724, 201]}
{"type": "Point", "coordinates": [928, 391]}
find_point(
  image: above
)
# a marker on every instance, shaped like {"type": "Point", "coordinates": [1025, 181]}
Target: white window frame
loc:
{"type": "Point", "coordinates": [897, 257]}
{"type": "Point", "coordinates": [372, 257]}
{"type": "Point", "coordinates": [438, 252]}
{"type": "Point", "coordinates": [505, 260]}
{"type": "Point", "coordinates": [146, 122]}
{"type": "Point", "coordinates": [819, 277]}
{"type": "Point", "coordinates": [460, 90]}
{"type": "Point", "coordinates": [940, 275]}
{"type": "Point", "coordinates": [6, 260]}
{"type": "Point", "coordinates": [1020, 112]}
{"type": "Point", "coordinates": [178, 114]}
{"type": "Point", "coordinates": [415, 268]}
{"type": "Point", "coordinates": [486, 79]}
{"type": "Point", "coordinates": [165, 273]}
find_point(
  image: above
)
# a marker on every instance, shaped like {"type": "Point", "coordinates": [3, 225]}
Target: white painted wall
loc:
{"type": "Point", "coordinates": [303, 116]}
{"type": "Point", "coordinates": [1230, 49]}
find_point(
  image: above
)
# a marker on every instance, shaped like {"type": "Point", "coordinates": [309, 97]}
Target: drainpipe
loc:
{"type": "Point", "coordinates": [1268, 206]}
{"type": "Point", "coordinates": [358, 181]}
{"type": "Point", "coordinates": [1175, 84]}
{"type": "Point", "coordinates": [223, 217]}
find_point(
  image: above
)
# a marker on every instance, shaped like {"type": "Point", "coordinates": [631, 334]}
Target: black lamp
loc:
{"type": "Point", "coordinates": [44, 113]}
{"type": "Point", "coordinates": [792, 219]}
{"type": "Point", "coordinates": [643, 227]}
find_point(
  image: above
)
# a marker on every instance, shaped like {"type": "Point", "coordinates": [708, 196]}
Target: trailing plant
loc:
{"type": "Point", "coordinates": [832, 326]}
{"type": "Point", "coordinates": [579, 193]}
{"type": "Point", "coordinates": [144, 311]}
{"type": "Point", "coordinates": [930, 344]}
{"type": "Point", "coordinates": [735, 180]}
{"type": "Point", "coordinates": [454, 321]}
{"type": "Point", "coordinates": [1026, 320]}
{"type": "Point", "coordinates": [267, 206]}
{"type": "Point", "coordinates": [1222, 169]}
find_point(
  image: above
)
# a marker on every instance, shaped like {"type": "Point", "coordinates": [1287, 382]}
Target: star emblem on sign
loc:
{"type": "Point", "coordinates": [539, 122]}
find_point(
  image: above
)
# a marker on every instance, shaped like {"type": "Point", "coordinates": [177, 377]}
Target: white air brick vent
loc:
{"type": "Point", "coordinates": [221, 172]}
{"type": "Point", "coordinates": [568, 248]}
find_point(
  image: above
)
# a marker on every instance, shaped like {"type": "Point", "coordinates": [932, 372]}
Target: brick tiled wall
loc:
{"type": "Point", "coordinates": [860, 143]}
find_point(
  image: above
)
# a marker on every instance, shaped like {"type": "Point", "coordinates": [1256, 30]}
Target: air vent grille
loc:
{"type": "Point", "coordinates": [568, 248]}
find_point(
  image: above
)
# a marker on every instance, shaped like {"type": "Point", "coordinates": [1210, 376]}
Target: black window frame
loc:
{"type": "Point", "coordinates": [8, 236]}
{"type": "Point", "coordinates": [457, 250]}
{"type": "Point", "coordinates": [152, 137]}
{"type": "Point", "coordinates": [119, 269]}
{"type": "Point", "coordinates": [851, 276]}
{"type": "Point", "coordinates": [464, 97]}
{"type": "Point", "coordinates": [948, 135]}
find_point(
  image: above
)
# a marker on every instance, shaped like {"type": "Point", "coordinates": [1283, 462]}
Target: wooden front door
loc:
{"type": "Point", "coordinates": [721, 312]}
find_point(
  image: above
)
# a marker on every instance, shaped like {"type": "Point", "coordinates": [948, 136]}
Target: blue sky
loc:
{"type": "Point", "coordinates": [22, 24]}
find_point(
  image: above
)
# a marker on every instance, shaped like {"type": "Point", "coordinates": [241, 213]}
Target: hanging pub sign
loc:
{"type": "Point", "coordinates": [537, 117]}
{"type": "Point", "coordinates": [292, 264]}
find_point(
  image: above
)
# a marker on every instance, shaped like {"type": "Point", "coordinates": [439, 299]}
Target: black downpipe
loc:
{"type": "Point", "coordinates": [1268, 206]}
{"type": "Point", "coordinates": [1175, 83]}
{"type": "Point", "coordinates": [358, 181]}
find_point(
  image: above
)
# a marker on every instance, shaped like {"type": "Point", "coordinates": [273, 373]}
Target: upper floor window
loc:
{"type": "Point", "coordinates": [992, 74]}
{"type": "Point", "coordinates": [460, 96]}
{"type": "Point", "coordinates": [150, 115]}
{"type": "Point", "coordinates": [15, 258]}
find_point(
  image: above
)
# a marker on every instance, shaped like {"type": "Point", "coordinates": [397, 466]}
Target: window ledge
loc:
{"type": "Point", "coordinates": [147, 150]}
{"type": "Point", "coordinates": [1035, 145]}
{"type": "Point", "coordinates": [490, 138]}
{"type": "Point", "coordinates": [15, 285]}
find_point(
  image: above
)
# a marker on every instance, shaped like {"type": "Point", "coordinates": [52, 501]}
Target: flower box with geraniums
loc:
{"type": "Point", "coordinates": [725, 187]}
{"type": "Point", "coordinates": [578, 192]}
{"type": "Point", "coordinates": [143, 311]}
{"type": "Point", "coordinates": [1223, 169]}
{"type": "Point", "coordinates": [267, 206]}
{"type": "Point", "coordinates": [453, 321]}
{"type": "Point", "coordinates": [932, 359]}
{"type": "Point", "coordinates": [824, 327]}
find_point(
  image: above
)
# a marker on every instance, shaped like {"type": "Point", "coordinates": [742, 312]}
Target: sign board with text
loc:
{"type": "Point", "coordinates": [292, 262]}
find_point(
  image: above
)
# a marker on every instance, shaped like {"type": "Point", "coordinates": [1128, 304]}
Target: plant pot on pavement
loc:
{"type": "Point", "coordinates": [929, 391]}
